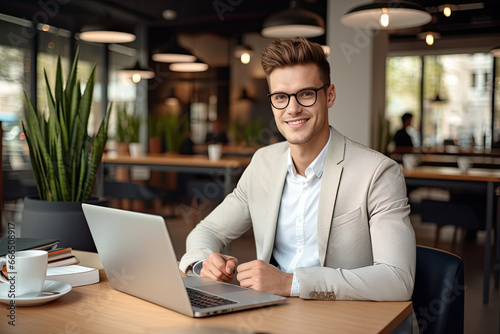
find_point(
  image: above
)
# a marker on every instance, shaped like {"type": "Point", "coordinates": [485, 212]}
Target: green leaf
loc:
{"type": "Point", "coordinates": [64, 157]}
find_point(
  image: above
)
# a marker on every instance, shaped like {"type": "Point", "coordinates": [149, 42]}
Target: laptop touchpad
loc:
{"type": "Point", "coordinates": [220, 288]}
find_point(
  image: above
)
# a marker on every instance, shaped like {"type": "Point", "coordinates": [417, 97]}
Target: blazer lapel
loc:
{"type": "Point", "coordinates": [272, 203]}
{"type": "Point", "coordinates": [332, 174]}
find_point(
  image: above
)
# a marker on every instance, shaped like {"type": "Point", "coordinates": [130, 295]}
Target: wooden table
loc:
{"type": "Point", "coordinates": [477, 160]}
{"type": "Point", "coordinates": [98, 308]}
{"type": "Point", "coordinates": [486, 180]}
{"type": "Point", "coordinates": [231, 149]}
{"type": "Point", "coordinates": [230, 168]}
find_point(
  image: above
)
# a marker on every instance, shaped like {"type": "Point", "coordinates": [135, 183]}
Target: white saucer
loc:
{"type": "Point", "coordinates": [49, 286]}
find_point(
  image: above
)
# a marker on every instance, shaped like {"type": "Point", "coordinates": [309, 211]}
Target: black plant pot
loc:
{"type": "Point", "coordinates": [58, 220]}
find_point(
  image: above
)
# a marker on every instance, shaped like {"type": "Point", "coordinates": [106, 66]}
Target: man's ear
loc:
{"type": "Point", "coordinates": [330, 94]}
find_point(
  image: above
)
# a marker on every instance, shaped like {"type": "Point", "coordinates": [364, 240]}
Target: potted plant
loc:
{"type": "Point", "coordinates": [155, 134]}
{"type": "Point", "coordinates": [65, 159]}
{"type": "Point", "coordinates": [128, 126]}
{"type": "Point", "coordinates": [176, 131]}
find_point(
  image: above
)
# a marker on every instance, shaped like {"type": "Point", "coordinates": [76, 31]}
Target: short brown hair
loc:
{"type": "Point", "coordinates": [294, 51]}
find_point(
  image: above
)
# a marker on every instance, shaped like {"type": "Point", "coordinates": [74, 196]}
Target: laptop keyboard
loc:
{"type": "Point", "coordinates": [204, 300]}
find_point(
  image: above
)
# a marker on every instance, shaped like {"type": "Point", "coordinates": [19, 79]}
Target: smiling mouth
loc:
{"type": "Point", "coordinates": [297, 122]}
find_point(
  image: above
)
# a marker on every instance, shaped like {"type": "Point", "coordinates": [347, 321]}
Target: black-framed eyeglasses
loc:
{"type": "Point", "coordinates": [305, 97]}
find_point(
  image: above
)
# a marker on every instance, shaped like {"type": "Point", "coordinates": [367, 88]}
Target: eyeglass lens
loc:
{"type": "Point", "coordinates": [305, 97]}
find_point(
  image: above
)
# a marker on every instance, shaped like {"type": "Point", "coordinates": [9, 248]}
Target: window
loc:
{"type": "Point", "coordinates": [53, 42]}
{"type": "Point", "coordinates": [403, 93]}
{"type": "Point", "coordinates": [121, 89]}
{"type": "Point", "coordinates": [496, 124]}
{"type": "Point", "coordinates": [14, 67]}
{"type": "Point", "coordinates": [455, 101]}
{"type": "Point", "coordinates": [15, 70]}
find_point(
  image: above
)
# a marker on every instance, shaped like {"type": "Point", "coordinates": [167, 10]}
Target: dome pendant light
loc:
{"type": "Point", "coordinates": [384, 14]}
{"type": "Point", "coordinates": [105, 31]}
{"type": "Point", "coordinates": [429, 37]}
{"type": "Point", "coordinates": [293, 22]}
{"type": "Point", "coordinates": [137, 73]}
{"type": "Point", "coordinates": [196, 66]}
{"type": "Point", "coordinates": [173, 53]}
{"type": "Point", "coordinates": [495, 51]}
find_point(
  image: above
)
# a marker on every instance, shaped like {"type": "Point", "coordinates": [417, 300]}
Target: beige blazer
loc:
{"type": "Point", "coordinates": [365, 240]}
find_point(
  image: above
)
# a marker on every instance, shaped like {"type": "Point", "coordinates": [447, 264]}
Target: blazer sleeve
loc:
{"type": "Point", "coordinates": [391, 275]}
{"type": "Point", "coordinates": [228, 221]}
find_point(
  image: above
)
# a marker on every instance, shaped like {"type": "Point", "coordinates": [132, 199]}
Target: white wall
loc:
{"type": "Point", "coordinates": [352, 65]}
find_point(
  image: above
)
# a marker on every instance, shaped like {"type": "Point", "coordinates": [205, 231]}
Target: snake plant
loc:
{"type": "Point", "coordinates": [64, 157]}
{"type": "Point", "coordinates": [128, 125]}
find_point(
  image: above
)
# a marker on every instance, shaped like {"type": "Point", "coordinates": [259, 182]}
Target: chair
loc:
{"type": "Point", "coordinates": [201, 192]}
{"type": "Point", "coordinates": [16, 186]}
{"type": "Point", "coordinates": [137, 192]}
{"type": "Point", "coordinates": [449, 213]}
{"type": "Point", "coordinates": [438, 295]}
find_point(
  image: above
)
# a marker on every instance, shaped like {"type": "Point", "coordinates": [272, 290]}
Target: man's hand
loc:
{"type": "Point", "coordinates": [219, 267]}
{"type": "Point", "coordinates": [262, 276]}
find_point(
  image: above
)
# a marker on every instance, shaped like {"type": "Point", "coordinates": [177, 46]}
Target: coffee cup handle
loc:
{"type": "Point", "coordinates": [3, 270]}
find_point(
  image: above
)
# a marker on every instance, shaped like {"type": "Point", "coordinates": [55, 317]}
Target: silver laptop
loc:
{"type": "Point", "coordinates": [139, 259]}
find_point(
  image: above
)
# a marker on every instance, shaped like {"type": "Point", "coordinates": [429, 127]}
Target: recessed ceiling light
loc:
{"type": "Point", "coordinates": [169, 14]}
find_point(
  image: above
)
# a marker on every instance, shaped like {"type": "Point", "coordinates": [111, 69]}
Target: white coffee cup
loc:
{"type": "Point", "coordinates": [463, 164]}
{"type": "Point", "coordinates": [26, 271]}
{"type": "Point", "coordinates": [214, 151]}
{"type": "Point", "coordinates": [410, 161]}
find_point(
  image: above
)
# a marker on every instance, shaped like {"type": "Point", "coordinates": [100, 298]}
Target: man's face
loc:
{"type": "Point", "coordinates": [301, 125]}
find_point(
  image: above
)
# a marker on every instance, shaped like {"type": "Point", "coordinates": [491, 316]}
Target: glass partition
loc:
{"type": "Point", "coordinates": [403, 93]}
{"type": "Point", "coordinates": [496, 99]}
{"type": "Point", "coordinates": [455, 105]}
{"type": "Point", "coordinates": [53, 43]}
{"type": "Point", "coordinates": [15, 72]}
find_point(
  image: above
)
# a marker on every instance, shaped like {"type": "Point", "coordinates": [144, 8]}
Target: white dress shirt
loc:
{"type": "Point", "coordinates": [296, 242]}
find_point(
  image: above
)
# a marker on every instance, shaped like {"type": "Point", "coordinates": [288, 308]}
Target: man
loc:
{"type": "Point", "coordinates": [402, 138]}
{"type": "Point", "coordinates": [330, 217]}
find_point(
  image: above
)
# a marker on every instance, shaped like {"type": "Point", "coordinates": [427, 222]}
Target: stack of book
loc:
{"type": "Point", "coordinates": [61, 257]}
{"type": "Point", "coordinates": [74, 275]}
{"type": "Point", "coordinates": [7, 245]}
{"type": "Point", "coordinates": [62, 263]}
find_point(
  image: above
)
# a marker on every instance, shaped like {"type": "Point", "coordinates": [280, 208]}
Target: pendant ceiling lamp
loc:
{"type": "Point", "coordinates": [293, 22]}
{"type": "Point", "coordinates": [495, 51]}
{"type": "Point", "coordinates": [196, 66]}
{"type": "Point", "coordinates": [103, 32]}
{"type": "Point", "coordinates": [390, 14]}
{"type": "Point", "coordinates": [429, 36]}
{"type": "Point", "coordinates": [243, 52]}
{"type": "Point", "coordinates": [137, 73]}
{"type": "Point", "coordinates": [173, 53]}
{"type": "Point", "coordinates": [447, 9]}
{"type": "Point", "coordinates": [171, 98]}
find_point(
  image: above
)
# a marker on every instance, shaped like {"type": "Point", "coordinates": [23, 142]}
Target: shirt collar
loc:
{"type": "Point", "coordinates": [316, 167]}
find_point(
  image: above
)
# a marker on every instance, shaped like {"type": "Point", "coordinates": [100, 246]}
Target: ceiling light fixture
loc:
{"type": "Point", "coordinates": [495, 51]}
{"type": "Point", "coordinates": [196, 66]}
{"type": "Point", "coordinates": [293, 22]}
{"type": "Point", "coordinates": [243, 52]}
{"type": "Point", "coordinates": [244, 95]}
{"type": "Point", "coordinates": [429, 36]}
{"type": "Point", "coordinates": [169, 14]}
{"type": "Point", "coordinates": [103, 33]}
{"type": "Point", "coordinates": [173, 53]}
{"type": "Point", "coordinates": [447, 9]}
{"type": "Point", "coordinates": [171, 98]}
{"type": "Point", "coordinates": [137, 73]}
{"type": "Point", "coordinates": [386, 15]}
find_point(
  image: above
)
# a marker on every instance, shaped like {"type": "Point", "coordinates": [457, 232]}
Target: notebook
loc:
{"type": "Point", "coordinates": [139, 259]}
